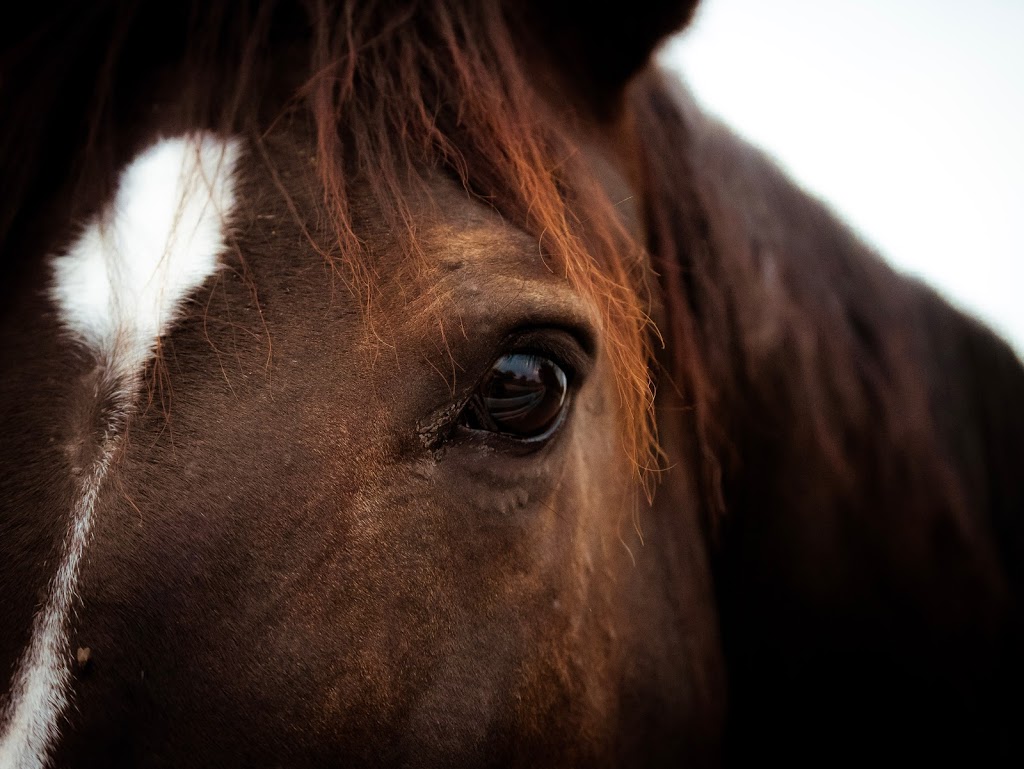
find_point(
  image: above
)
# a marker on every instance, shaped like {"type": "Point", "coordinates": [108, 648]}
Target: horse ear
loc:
{"type": "Point", "coordinates": [600, 46]}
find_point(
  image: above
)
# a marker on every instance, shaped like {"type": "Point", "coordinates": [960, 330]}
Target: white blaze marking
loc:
{"type": "Point", "coordinates": [39, 695]}
{"type": "Point", "coordinates": [118, 289]}
{"type": "Point", "coordinates": [121, 284]}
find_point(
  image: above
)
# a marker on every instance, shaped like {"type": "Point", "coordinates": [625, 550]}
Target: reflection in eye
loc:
{"type": "Point", "coordinates": [523, 396]}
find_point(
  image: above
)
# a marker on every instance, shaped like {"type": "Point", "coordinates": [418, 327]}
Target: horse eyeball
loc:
{"type": "Point", "coordinates": [522, 396]}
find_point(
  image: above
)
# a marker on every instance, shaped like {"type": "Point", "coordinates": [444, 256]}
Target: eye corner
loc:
{"type": "Point", "coordinates": [434, 430]}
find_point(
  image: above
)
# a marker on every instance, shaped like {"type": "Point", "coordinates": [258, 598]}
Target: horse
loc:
{"type": "Point", "coordinates": [433, 383]}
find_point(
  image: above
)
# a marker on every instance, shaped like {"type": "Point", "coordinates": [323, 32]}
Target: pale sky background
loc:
{"type": "Point", "coordinates": [907, 116]}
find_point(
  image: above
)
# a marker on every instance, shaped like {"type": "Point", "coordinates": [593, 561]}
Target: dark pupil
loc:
{"type": "Point", "coordinates": [523, 395]}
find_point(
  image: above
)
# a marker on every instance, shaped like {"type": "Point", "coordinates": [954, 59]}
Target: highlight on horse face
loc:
{"type": "Point", "coordinates": [434, 384]}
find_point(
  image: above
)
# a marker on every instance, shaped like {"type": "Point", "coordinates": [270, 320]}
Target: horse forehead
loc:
{"type": "Point", "coordinates": [451, 237]}
{"type": "Point", "coordinates": [489, 269]}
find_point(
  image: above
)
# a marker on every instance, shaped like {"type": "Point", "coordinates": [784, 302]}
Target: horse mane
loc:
{"type": "Point", "coordinates": [388, 92]}
{"type": "Point", "coordinates": [779, 315]}
{"type": "Point", "coordinates": [863, 438]}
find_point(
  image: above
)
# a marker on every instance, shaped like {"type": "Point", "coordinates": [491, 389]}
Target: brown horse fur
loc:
{"type": "Point", "coordinates": [300, 559]}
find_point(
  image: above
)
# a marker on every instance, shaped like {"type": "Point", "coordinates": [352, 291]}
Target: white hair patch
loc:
{"type": "Point", "coordinates": [117, 289]}
{"type": "Point", "coordinates": [122, 283]}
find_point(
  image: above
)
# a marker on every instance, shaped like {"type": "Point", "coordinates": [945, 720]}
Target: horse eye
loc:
{"type": "Point", "coordinates": [522, 396]}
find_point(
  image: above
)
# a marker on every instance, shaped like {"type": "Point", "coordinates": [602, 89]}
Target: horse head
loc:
{"type": "Point", "coordinates": [431, 384]}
